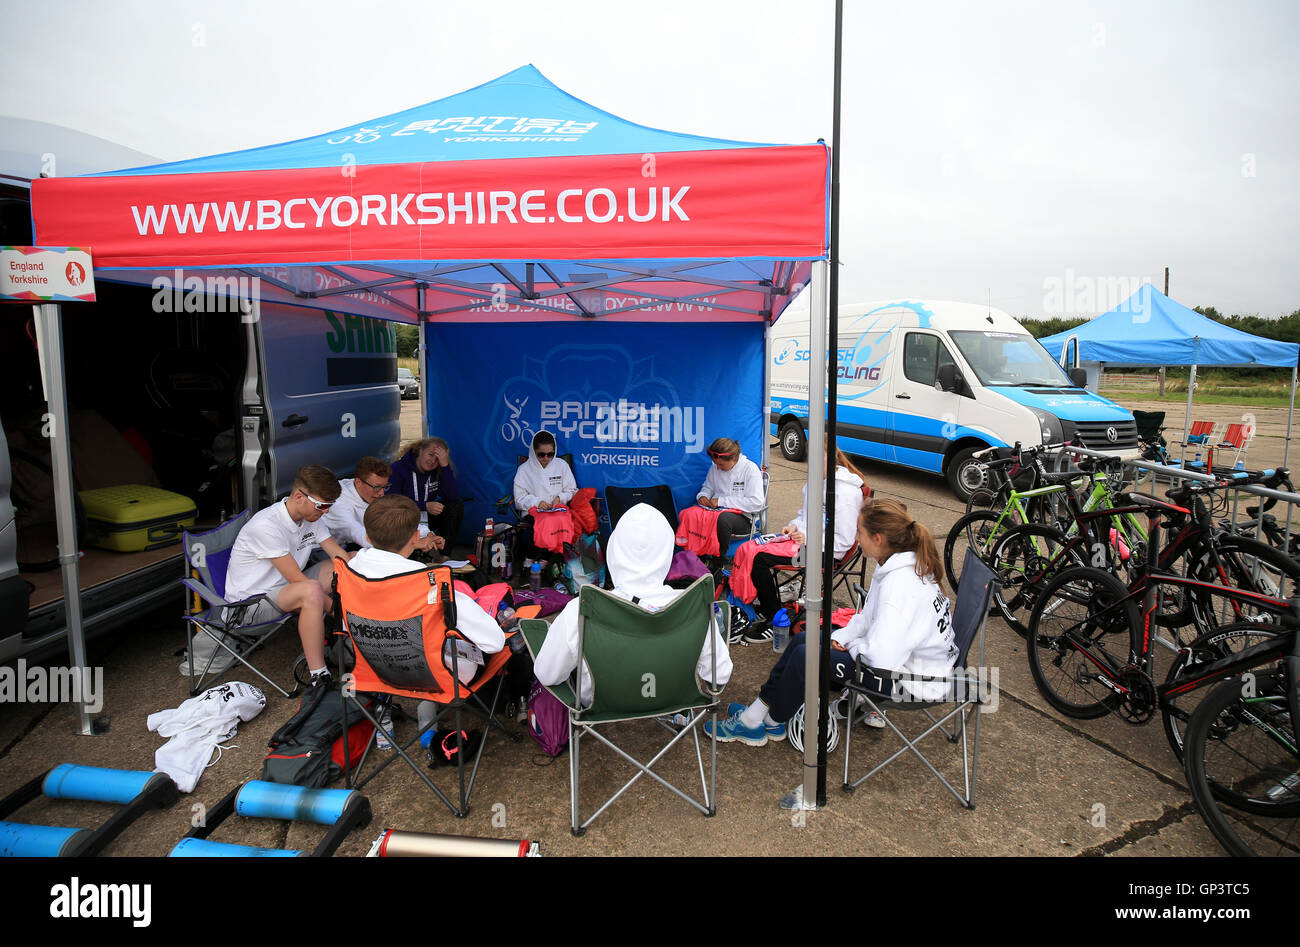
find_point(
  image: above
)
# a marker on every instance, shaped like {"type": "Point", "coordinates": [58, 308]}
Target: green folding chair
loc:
{"type": "Point", "coordinates": [642, 666]}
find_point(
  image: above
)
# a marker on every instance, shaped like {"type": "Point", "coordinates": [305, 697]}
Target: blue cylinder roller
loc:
{"type": "Point", "coordinates": [94, 784]}
{"type": "Point", "coordinates": [263, 800]}
{"type": "Point", "coordinates": [202, 848]}
{"type": "Point", "coordinates": [18, 840]}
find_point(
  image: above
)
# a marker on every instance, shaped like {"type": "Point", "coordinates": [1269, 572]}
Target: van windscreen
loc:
{"type": "Point", "coordinates": [1009, 358]}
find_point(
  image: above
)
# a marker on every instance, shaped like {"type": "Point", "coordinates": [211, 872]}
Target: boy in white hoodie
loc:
{"type": "Point", "coordinates": [638, 558]}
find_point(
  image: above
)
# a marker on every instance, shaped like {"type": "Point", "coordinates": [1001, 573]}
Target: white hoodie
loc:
{"type": "Point", "coordinates": [639, 555]}
{"type": "Point", "coordinates": [198, 725]}
{"type": "Point", "coordinates": [346, 518]}
{"type": "Point", "coordinates": [905, 627]}
{"type": "Point", "coordinates": [536, 484]}
{"type": "Point", "coordinates": [848, 503]}
{"type": "Point", "coordinates": [739, 488]}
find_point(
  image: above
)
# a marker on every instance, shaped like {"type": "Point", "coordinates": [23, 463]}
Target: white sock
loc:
{"type": "Point", "coordinates": [767, 719]}
{"type": "Point", "coordinates": [753, 715]}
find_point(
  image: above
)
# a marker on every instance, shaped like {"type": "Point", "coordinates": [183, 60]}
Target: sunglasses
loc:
{"type": "Point", "coordinates": [719, 456]}
{"type": "Point", "coordinates": [545, 454]}
{"type": "Point", "coordinates": [319, 504]}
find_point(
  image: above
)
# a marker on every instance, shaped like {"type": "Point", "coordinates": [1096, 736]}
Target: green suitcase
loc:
{"type": "Point", "coordinates": [136, 518]}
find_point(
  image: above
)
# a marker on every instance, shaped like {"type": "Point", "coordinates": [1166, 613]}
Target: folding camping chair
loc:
{"type": "Point", "coordinates": [1237, 438]}
{"type": "Point", "coordinates": [1202, 437]}
{"type": "Point", "coordinates": [238, 628]}
{"type": "Point", "coordinates": [850, 571]}
{"type": "Point", "coordinates": [966, 692]}
{"type": "Point", "coordinates": [642, 666]}
{"type": "Point", "coordinates": [398, 627]}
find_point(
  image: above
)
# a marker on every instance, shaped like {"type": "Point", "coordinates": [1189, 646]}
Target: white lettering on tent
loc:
{"type": "Point", "coordinates": [493, 207]}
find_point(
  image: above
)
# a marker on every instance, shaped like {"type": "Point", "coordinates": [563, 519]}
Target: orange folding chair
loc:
{"type": "Point", "coordinates": [1201, 437]}
{"type": "Point", "coordinates": [1237, 438]}
{"type": "Point", "coordinates": [399, 628]}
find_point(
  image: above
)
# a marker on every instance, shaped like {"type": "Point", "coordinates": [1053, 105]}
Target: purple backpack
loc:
{"type": "Point", "coordinates": [551, 600]}
{"type": "Point", "coordinates": [548, 720]}
{"type": "Point", "coordinates": [686, 566]}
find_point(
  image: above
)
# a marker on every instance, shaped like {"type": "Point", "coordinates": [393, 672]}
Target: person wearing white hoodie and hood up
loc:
{"type": "Point", "coordinates": [639, 555]}
{"type": "Point", "coordinates": [543, 481]}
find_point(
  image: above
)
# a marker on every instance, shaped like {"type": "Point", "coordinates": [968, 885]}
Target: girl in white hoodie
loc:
{"type": "Point", "coordinates": [543, 481]}
{"type": "Point", "coordinates": [639, 555]}
{"type": "Point", "coordinates": [905, 630]}
{"type": "Point", "coordinates": [848, 501]}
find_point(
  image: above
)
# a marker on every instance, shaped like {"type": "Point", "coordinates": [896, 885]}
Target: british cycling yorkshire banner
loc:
{"type": "Point", "coordinates": [635, 404]}
{"type": "Point", "coordinates": [738, 202]}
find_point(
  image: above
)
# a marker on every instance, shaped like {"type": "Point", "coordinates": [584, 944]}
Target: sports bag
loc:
{"type": "Point", "coordinates": [548, 720]}
{"type": "Point", "coordinates": [301, 749]}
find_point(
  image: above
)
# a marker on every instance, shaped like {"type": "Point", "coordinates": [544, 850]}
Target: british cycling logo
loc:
{"type": "Point", "coordinates": [614, 412]}
{"type": "Point", "coordinates": [483, 128]}
{"type": "Point", "coordinates": [788, 351]}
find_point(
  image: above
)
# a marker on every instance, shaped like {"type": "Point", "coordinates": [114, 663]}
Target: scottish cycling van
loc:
{"type": "Point", "coordinates": [927, 384]}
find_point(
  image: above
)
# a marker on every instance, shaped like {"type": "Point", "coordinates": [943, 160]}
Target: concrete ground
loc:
{"type": "Point", "coordinates": [1048, 785]}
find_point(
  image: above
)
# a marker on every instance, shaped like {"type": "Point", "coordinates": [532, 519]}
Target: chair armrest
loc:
{"type": "Point", "coordinates": [534, 631]}
{"type": "Point", "coordinates": [203, 592]}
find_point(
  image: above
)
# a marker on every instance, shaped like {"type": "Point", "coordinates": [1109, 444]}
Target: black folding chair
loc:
{"type": "Point", "coordinates": [966, 690]}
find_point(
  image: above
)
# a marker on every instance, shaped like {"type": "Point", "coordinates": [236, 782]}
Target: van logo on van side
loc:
{"type": "Point", "coordinates": [787, 351]}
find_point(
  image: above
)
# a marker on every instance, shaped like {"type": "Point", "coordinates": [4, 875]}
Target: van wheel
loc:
{"type": "Point", "coordinates": [794, 444]}
{"type": "Point", "coordinates": [966, 474]}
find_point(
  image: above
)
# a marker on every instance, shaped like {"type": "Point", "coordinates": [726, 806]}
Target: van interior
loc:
{"type": "Point", "coordinates": [152, 400]}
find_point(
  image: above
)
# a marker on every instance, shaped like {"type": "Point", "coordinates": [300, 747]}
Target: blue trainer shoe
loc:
{"type": "Point", "coordinates": [732, 730]}
{"type": "Point", "coordinates": [775, 731]}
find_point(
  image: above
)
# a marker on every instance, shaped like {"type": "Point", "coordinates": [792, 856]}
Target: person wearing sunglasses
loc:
{"type": "Point", "coordinates": [424, 472]}
{"type": "Point", "coordinates": [543, 482]}
{"type": "Point", "coordinates": [271, 552]}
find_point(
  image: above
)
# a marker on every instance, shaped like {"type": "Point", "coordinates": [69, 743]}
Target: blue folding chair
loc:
{"type": "Point", "coordinates": [232, 625]}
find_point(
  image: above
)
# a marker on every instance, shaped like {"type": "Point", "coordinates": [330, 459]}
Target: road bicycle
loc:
{"type": "Point", "coordinates": [1090, 646]}
{"type": "Point", "coordinates": [1242, 759]}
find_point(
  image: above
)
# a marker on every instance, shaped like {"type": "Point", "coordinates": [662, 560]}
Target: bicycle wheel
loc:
{"type": "Point", "coordinates": [1025, 558]}
{"type": "Point", "coordinates": [978, 531]}
{"type": "Point", "coordinates": [1241, 748]}
{"type": "Point", "coordinates": [1251, 566]}
{"type": "Point", "coordinates": [986, 500]}
{"type": "Point", "coordinates": [1176, 710]}
{"type": "Point", "coordinates": [1081, 608]}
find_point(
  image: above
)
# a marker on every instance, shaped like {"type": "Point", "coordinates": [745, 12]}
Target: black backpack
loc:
{"type": "Point", "coordinates": [300, 749]}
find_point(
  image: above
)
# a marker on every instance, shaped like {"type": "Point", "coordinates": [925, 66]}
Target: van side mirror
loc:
{"type": "Point", "coordinates": [950, 379]}
{"type": "Point", "coordinates": [1078, 377]}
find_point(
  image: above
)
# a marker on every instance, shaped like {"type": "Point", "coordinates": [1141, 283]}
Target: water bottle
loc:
{"type": "Point", "coordinates": [780, 631]}
{"type": "Point", "coordinates": [1197, 461]}
{"type": "Point", "coordinates": [1117, 541]}
{"type": "Point", "coordinates": [504, 614]}
{"type": "Point", "coordinates": [535, 577]}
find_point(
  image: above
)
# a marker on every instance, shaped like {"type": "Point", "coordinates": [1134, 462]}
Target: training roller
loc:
{"type": "Point", "coordinates": [395, 844]}
{"type": "Point", "coordinates": [134, 790]}
{"type": "Point", "coordinates": [341, 809]}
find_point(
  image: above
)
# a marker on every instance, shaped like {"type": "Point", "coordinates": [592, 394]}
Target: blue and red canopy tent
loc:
{"type": "Point", "coordinates": [568, 266]}
{"type": "Point", "coordinates": [568, 269]}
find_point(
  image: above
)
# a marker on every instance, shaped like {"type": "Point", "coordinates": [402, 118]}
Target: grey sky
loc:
{"type": "Point", "coordinates": [995, 148]}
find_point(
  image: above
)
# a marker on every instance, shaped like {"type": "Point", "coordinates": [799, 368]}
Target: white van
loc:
{"type": "Point", "coordinates": [927, 384]}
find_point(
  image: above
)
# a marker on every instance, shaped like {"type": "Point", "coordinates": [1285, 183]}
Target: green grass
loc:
{"type": "Point", "coordinates": [412, 363]}
{"type": "Point", "coordinates": [1264, 388]}
{"type": "Point", "coordinates": [1203, 396]}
